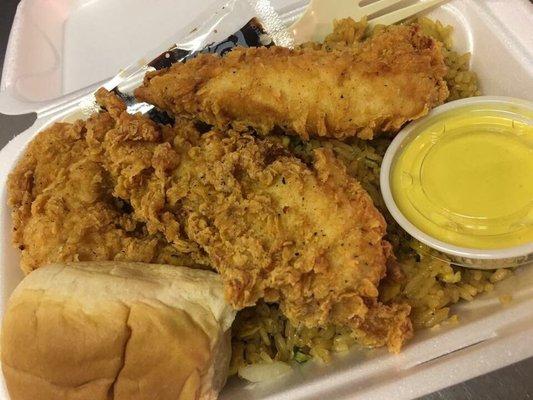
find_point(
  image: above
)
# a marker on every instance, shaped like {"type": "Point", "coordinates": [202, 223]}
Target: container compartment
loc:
{"type": "Point", "coordinates": [73, 55]}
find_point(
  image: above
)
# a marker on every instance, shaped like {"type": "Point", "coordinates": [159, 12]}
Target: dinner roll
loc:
{"type": "Point", "coordinates": [122, 331]}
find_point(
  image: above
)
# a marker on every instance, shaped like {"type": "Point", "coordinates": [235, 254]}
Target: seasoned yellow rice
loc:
{"type": "Point", "coordinates": [262, 334]}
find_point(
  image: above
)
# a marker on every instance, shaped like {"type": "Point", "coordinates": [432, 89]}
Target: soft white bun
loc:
{"type": "Point", "coordinates": [122, 331]}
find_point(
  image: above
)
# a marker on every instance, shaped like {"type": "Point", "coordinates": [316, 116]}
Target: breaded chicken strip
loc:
{"type": "Point", "coordinates": [378, 85]}
{"type": "Point", "coordinates": [306, 237]}
{"type": "Point", "coordinates": [63, 208]}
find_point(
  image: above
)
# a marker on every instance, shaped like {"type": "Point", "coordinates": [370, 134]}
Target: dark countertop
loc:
{"type": "Point", "coordinates": [511, 383]}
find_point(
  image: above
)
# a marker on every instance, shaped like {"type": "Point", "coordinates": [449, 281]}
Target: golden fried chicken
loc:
{"type": "Point", "coordinates": [305, 236]}
{"type": "Point", "coordinates": [377, 85]}
{"type": "Point", "coordinates": [63, 208]}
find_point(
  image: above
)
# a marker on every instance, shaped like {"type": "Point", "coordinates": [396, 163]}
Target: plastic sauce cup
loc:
{"type": "Point", "coordinates": [460, 180]}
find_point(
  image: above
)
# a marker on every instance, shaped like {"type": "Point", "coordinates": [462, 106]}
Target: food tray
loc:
{"type": "Point", "coordinates": [499, 35]}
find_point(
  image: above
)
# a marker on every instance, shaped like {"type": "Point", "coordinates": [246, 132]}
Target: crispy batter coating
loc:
{"type": "Point", "coordinates": [306, 237]}
{"type": "Point", "coordinates": [63, 208]}
{"type": "Point", "coordinates": [378, 85]}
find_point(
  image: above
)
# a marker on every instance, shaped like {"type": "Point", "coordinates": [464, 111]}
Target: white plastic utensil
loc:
{"type": "Point", "coordinates": [315, 23]}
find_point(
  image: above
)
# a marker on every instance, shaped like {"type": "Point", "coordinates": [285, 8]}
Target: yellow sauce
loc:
{"type": "Point", "coordinates": [466, 178]}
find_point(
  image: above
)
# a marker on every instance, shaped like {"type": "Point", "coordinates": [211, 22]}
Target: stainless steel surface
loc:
{"type": "Point", "coordinates": [511, 383]}
{"type": "Point", "coordinates": [9, 125]}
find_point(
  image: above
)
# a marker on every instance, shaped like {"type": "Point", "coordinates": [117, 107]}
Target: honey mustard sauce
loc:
{"type": "Point", "coordinates": [467, 179]}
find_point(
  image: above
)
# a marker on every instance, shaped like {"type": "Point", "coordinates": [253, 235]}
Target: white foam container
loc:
{"type": "Point", "coordinates": [82, 42]}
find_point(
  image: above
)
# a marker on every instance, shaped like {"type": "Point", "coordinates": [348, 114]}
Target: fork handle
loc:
{"type": "Point", "coordinates": [316, 21]}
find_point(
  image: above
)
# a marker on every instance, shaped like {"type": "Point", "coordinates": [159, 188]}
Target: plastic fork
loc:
{"type": "Point", "coordinates": [316, 21]}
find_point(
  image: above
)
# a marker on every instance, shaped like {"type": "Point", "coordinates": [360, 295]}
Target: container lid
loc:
{"type": "Point", "coordinates": [60, 50]}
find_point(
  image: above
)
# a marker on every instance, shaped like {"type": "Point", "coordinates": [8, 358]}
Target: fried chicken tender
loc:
{"type": "Point", "coordinates": [63, 208]}
{"type": "Point", "coordinates": [305, 236]}
{"type": "Point", "coordinates": [359, 90]}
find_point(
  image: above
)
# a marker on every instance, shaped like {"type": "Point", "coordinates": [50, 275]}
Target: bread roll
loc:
{"type": "Point", "coordinates": [122, 331]}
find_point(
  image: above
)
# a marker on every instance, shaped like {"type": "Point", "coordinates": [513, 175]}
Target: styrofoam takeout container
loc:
{"type": "Point", "coordinates": [58, 49]}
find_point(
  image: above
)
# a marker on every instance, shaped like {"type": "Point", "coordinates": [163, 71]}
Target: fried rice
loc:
{"type": "Point", "coordinates": [262, 334]}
